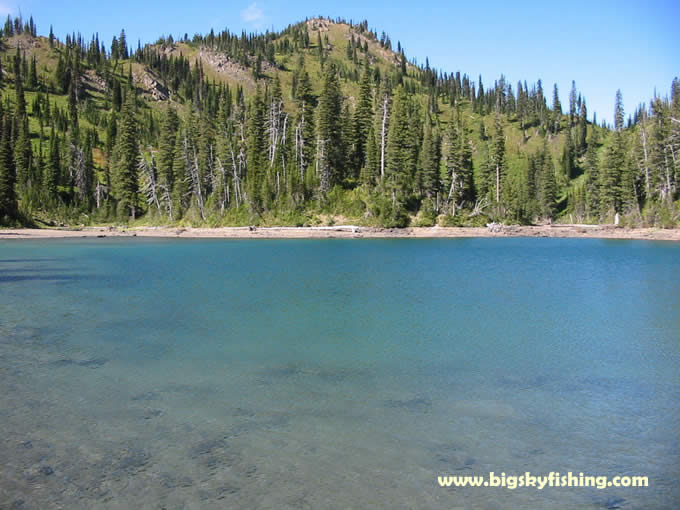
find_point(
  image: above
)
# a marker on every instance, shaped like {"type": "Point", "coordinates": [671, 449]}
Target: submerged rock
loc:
{"type": "Point", "coordinates": [611, 502]}
{"type": "Point", "coordinates": [93, 363]}
{"type": "Point", "coordinates": [412, 404]}
{"type": "Point", "coordinates": [148, 395]}
{"type": "Point", "coordinates": [454, 457]}
{"type": "Point", "coordinates": [47, 470]}
{"type": "Point", "coordinates": [152, 413]}
{"type": "Point", "coordinates": [89, 363]}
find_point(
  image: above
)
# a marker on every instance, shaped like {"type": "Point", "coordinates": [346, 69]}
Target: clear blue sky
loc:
{"type": "Point", "coordinates": [602, 44]}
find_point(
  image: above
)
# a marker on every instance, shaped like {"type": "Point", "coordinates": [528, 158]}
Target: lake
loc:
{"type": "Point", "coordinates": [336, 373]}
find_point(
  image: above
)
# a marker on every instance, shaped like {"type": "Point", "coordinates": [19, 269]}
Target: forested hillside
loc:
{"type": "Point", "coordinates": [322, 122]}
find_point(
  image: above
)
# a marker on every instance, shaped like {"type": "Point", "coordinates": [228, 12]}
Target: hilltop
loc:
{"type": "Point", "coordinates": [323, 122]}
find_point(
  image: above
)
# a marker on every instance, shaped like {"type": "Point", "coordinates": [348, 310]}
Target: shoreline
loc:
{"type": "Point", "coordinates": [351, 232]}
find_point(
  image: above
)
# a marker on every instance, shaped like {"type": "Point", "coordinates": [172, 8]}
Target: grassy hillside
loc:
{"type": "Point", "coordinates": [194, 76]}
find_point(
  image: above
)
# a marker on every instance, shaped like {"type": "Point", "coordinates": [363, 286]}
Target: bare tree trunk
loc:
{"type": "Point", "coordinates": [452, 191]}
{"type": "Point", "coordinates": [236, 179]}
{"type": "Point", "coordinates": [196, 184]}
{"type": "Point", "coordinates": [150, 188]}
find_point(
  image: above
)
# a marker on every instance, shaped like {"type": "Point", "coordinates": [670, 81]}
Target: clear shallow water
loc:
{"type": "Point", "coordinates": [336, 373]}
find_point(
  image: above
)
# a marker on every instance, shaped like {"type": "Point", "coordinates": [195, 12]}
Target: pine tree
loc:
{"type": "Point", "coordinates": [582, 129]}
{"type": "Point", "coordinates": [256, 151]}
{"type": "Point", "coordinates": [180, 174]}
{"type": "Point", "coordinates": [349, 172]}
{"type": "Point", "coordinates": [330, 149]}
{"type": "Point", "coordinates": [610, 176]}
{"type": "Point", "coordinates": [363, 119]}
{"type": "Point", "coordinates": [32, 81]}
{"type": "Point", "coordinates": [592, 165]}
{"type": "Point", "coordinates": [556, 111]}
{"type": "Point", "coordinates": [166, 149]}
{"type": "Point", "coordinates": [547, 187]}
{"type": "Point", "coordinates": [370, 170]}
{"type": "Point", "coordinates": [122, 46]}
{"type": "Point", "coordinates": [304, 131]}
{"type": "Point", "coordinates": [618, 111]}
{"type": "Point", "coordinates": [572, 104]}
{"type": "Point", "coordinates": [458, 182]}
{"type": "Point", "coordinates": [8, 198]}
{"type": "Point", "coordinates": [126, 185]}
{"type": "Point", "coordinates": [497, 161]}
{"type": "Point", "coordinates": [663, 174]}
{"type": "Point", "coordinates": [52, 170]}
{"type": "Point", "coordinates": [568, 157]}
{"type": "Point", "coordinates": [399, 150]}
{"type": "Point", "coordinates": [430, 155]}
{"type": "Point", "coordinates": [383, 111]}
{"type": "Point", "coordinates": [19, 90]}
{"type": "Point", "coordinates": [23, 157]}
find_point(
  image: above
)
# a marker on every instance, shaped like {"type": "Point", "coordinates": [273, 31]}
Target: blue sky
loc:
{"type": "Point", "coordinates": [601, 44]}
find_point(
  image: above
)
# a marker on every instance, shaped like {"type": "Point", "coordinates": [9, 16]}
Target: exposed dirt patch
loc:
{"type": "Point", "coordinates": [93, 81]}
{"type": "Point", "coordinates": [24, 42]}
{"type": "Point", "coordinates": [151, 86]}
{"type": "Point", "coordinates": [225, 66]}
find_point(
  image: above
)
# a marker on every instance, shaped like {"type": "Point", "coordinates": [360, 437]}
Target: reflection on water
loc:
{"type": "Point", "coordinates": [335, 374]}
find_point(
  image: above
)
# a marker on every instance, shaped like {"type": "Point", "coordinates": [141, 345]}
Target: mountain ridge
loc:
{"type": "Point", "coordinates": [521, 160]}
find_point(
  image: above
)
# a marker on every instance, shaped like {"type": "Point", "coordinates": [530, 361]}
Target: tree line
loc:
{"type": "Point", "coordinates": [410, 144]}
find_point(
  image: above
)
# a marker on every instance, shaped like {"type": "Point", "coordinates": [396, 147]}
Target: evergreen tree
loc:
{"type": "Point", "coordinates": [610, 175]}
{"type": "Point", "coordinates": [572, 104]}
{"type": "Point", "coordinates": [180, 174]}
{"type": "Point", "coordinates": [126, 185]}
{"type": "Point", "coordinates": [430, 155]}
{"type": "Point", "coordinates": [166, 149]}
{"type": "Point", "coordinates": [363, 119]}
{"type": "Point", "coordinates": [547, 188]}
{"type": "Point", "coordinates": [497, 161]}
{"type": "Point", "coordinates": [304, 131]}
{"type": "Point", "coordinates": [618, 111]}
{"type": "Point", "coordinates": [556, 110]}
{"type": "Point", "coordinates": [32, 81]}
{"type": "Point", "coordinates": [117, 95]}
{"type": "Point", "coordinates": [8, 198]}
{"type": "Point", "coordinates": [122, 46]}
{"type": "Point", "coordinates": [256, 151]}
{"type": "Point", "coordinates": [399, 150]}
{"type": "Point", "coordinates": [23, 156]}
{"type": "Point", "coordinates": [458, 181]}
{"type": "Point", "coordinates": [330, 149]}
{"type": "Point", "coordinates": [52, 169]}
{"type": "Point", "coordinates": [582, 128]}
{"type": "Point", "coordinates": [370, 171]}
{"type": "Point", "coordinates": [592, 165]}
{"type": "Point", "coordinates": [19, 91]}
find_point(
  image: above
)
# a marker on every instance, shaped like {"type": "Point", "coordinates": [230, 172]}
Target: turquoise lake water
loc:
{"type": "Point", "coordinates": [336, 373]}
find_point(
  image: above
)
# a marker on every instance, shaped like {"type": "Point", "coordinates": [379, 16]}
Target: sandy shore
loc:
{"type": "Point", "coordinates": [350, 232]}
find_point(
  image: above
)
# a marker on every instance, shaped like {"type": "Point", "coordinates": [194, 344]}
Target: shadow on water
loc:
{"type": "Point", "coordinates": [30, 270]}
{"type": "Point", "coordinates": [17, 261]}
{"type": "Point", "coordinates": [43, 278]}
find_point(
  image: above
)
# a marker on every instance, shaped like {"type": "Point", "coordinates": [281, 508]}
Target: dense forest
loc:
{"type": "Point", "coordinates": [322, 122]}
